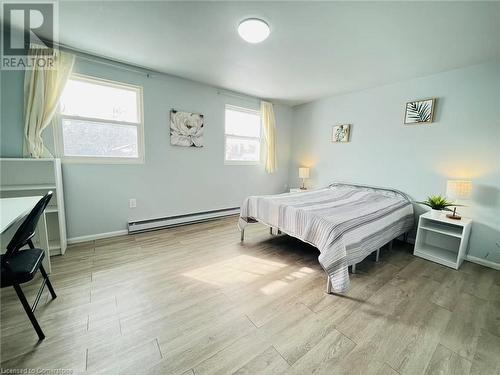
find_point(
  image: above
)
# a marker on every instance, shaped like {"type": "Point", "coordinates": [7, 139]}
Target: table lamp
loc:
{"type": "Point", "coordinates": [458, 190]}
{"type": "Point", "coordinates": [303, 174]}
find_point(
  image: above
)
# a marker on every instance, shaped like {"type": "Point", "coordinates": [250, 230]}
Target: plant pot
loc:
{"type": "Point", "coordinates": [436, 213]}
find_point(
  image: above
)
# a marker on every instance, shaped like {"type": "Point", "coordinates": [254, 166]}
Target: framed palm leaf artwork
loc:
{"type": "Point", "coordinates": [420, 111]}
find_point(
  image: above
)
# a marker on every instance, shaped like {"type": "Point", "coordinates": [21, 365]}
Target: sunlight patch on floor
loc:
{"type": "Point", "coordinates": [307, 270]}
{"type": "Point", "coordinates": [273, 287]}
{"type": "Point", "coordinates": [241, 269]}
{"type": "Point", "coordinates": [277, 285]}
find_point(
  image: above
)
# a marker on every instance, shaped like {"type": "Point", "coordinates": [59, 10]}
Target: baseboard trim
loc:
{"type": "Point", "coordinates": [97, 236]}
{"type": "Point", "coordinates": [483, 262]}
{"type": "Point", "coordinates": [175, 221]}
{"type": "Point", "coordinates": [179, 220]}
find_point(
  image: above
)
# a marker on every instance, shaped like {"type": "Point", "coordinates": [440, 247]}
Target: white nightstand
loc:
{"type": "Point", "coordinates": [297, 190]}
{"type": "Point", "coordinates": [442, 240]}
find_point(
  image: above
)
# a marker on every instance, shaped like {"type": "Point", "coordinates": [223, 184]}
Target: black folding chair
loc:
{"type": "Point", "coordinates": [20, 266]}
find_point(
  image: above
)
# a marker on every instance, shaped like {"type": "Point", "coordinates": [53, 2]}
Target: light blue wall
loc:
{"type": "Point", "coordinates": [463, 142]}
{"type": "Point", "coordinates": [11, 117]}
{"type": "Point", "coordinates": [174, 180]}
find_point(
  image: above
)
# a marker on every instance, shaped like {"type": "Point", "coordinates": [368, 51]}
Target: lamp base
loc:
{"type": "Point", "coordinates": [454, 216]}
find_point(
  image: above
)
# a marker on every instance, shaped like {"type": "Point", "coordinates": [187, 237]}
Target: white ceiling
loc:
{"type": "Point", "coordinates": [314, 50]}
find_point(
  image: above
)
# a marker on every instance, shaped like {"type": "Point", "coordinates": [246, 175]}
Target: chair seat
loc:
{"type": "Point", "coordinates": [23, 266]}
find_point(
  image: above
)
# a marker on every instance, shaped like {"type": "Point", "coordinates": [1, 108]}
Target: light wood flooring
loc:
{"type": "Point", "coordinates": [193, 300]}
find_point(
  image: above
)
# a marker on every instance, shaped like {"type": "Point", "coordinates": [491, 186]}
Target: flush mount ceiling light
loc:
{"type": "Point", "coordinates": [253, 30]}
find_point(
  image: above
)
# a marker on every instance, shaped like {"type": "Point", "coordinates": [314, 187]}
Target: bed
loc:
{"type": "Point", "coordinates": [345, 222]}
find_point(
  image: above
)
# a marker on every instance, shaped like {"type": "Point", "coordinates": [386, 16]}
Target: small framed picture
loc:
{"type": "Point", "coordinates": [340, 133]}
{"type": "Point", "coordinates": [420, 111]}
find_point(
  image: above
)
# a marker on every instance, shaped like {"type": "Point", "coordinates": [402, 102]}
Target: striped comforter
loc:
{"type": "Point", "coordinates": [345, 222]}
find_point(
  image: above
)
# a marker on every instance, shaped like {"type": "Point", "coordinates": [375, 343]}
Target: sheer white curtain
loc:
{"type": "Point", "coordinates": [42, 91]}
{"type": "Point", "coordinates": [269, 123]}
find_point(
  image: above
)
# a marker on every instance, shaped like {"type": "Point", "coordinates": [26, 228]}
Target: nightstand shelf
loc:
{"type": "Point", "coordinates": [442, 240]}
{"type": "Point", "coordinates": [443, 230]}
{"type": "Point", "coordinates": [297, 190]}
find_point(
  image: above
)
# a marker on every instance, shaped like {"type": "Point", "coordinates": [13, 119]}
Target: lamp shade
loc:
{"type": "Point", "coordinates": [458, 189]}
{"type": "Point", "coordinates": [303, 172]}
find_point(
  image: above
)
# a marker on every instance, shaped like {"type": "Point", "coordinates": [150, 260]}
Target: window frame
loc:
{"type": "Point", "coordinates": [58, 133]}
{"type": "Point", "coordinates": [226, 135]}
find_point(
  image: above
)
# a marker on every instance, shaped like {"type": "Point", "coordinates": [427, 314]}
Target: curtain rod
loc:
{"type": "Point", "coordinates": [143, 70]}
{"type": "Point", "coordinates": [237, 95]}
{"type": "Point", "coordinates": [105, 60]}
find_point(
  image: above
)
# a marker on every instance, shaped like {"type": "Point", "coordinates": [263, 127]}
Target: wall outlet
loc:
{"type": "Point", "coordinates": [132, 203]}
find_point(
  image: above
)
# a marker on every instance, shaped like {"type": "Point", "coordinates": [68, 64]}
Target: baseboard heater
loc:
{"type": "Point", "coordinates": [174, 221]}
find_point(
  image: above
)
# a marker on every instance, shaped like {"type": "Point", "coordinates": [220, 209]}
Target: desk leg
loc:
{"type": "Point", "coordinates": [43, 238]}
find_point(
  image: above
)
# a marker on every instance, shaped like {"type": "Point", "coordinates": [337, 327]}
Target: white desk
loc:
{"type": "Point", "coordinates": [14, 210]}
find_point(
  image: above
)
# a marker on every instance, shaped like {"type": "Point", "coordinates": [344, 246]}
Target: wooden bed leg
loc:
{"type": "Point", "coordinates": [242, 235]}
{"type": "Point", "coordinates": [271, 231]}
{"type": "Point", "coordinates": [279, 231]}
{"type": "Point", "coordinates": [377, 255]}
{"type": "Point", "coordinates": [328, 285]}
{"type": "Point", "coordinates": [353, 268]}
{"type": "Point", "coordinates": [390, 245]}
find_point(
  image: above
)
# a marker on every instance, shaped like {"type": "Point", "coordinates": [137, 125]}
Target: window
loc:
{"type": "Point", "coordinates": [101, 121]}
{"type": "Point", "coordinates": [243, 130]}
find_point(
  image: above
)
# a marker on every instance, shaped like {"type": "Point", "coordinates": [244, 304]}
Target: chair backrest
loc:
{"type": "Point", "coordinates": [27, 229]}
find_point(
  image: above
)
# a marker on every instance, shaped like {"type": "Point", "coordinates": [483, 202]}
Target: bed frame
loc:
{"type": "Point", "coordinates": [328, 283]}
{"type": "Point", "coordinates": [353, 266]}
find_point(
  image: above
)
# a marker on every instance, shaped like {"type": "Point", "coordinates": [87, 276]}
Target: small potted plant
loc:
{"type": "Point", "coordinates": [437, 204]}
